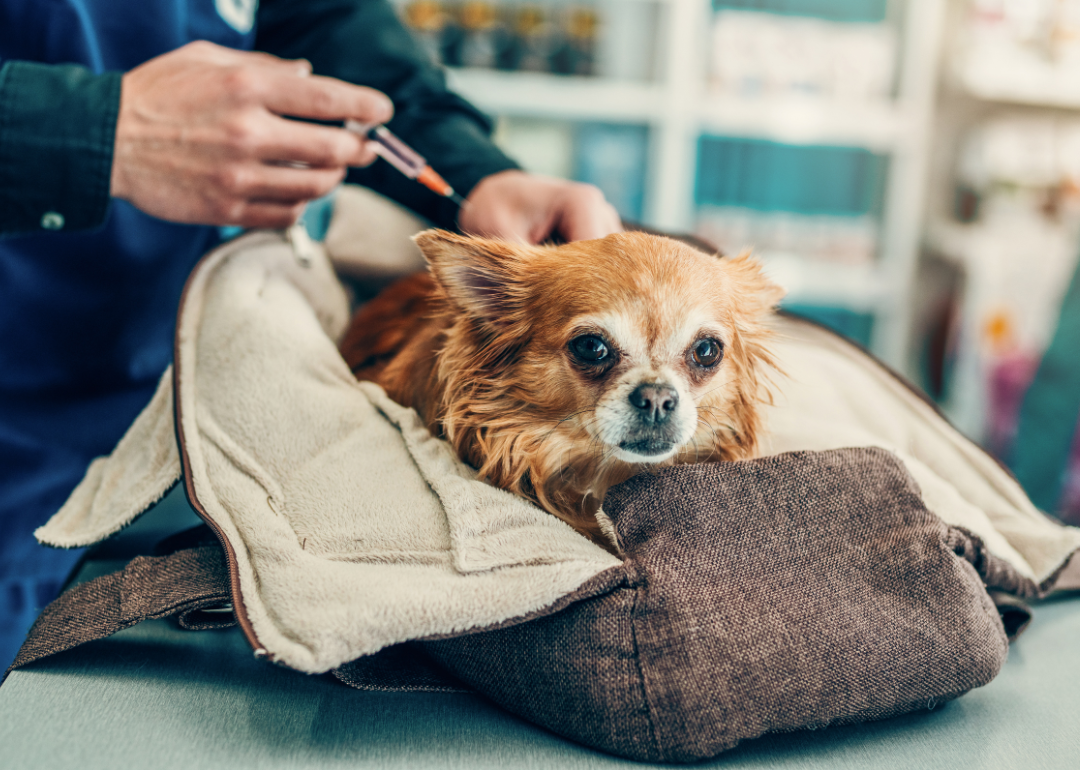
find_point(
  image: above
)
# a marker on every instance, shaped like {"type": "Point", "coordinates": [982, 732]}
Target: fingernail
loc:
{"type": "Point", "coordinates": [388, 107]}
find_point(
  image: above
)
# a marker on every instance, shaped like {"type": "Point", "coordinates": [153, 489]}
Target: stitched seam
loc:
{"type": "Point", "coordinates": [639, 596]}
{"type": "Point", "coordinates": [243, 461]}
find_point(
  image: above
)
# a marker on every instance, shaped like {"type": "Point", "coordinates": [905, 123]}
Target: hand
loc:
{"type": "Point", "coordinates": [516, 206]}
{"type": "Point", "coordinates": [200, 136]}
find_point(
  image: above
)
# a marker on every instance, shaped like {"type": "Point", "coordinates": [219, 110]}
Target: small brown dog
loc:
{"type": "Point", "coordinates": [558, 371]}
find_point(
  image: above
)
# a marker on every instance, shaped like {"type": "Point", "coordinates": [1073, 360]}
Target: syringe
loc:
{"type": "Point", "coordinates": [404, 158]}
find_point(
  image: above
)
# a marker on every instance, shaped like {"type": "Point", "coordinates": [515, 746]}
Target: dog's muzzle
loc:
{"type": "Point", "coordinates": [654, 404]}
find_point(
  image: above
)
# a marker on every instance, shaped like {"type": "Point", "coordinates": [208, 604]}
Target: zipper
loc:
{"type": "Point", "coordinates": [239, 609]}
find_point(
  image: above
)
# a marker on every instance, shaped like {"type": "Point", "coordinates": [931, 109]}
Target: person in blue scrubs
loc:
{"type": "Point", "coordinates": [130, 131]}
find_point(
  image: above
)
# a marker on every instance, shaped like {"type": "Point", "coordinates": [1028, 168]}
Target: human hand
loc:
{"type": "Point", "coordinates": [200, 137]}
{"type": "Point", "coordinates": [517, 206]}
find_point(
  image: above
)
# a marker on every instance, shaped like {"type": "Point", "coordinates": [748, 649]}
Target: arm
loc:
{"type": "Point", "coordinates": [202, 136]}
{"type": "Point", "coordinates": [57, 123]}
{"type": "Point", "coordinates": [194, 135]}
{"type": "Point", "coordinates": [363, 42]}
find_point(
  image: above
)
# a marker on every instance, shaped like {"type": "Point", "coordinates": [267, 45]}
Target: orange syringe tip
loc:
{"type": "Point", "coordinates": [434, 182]}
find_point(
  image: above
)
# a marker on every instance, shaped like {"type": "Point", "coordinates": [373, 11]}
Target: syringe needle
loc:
{"type": "Point", "coordinates": [404, 158]}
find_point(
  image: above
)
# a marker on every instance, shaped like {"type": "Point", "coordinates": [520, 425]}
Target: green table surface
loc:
{"type": "Point", "coordinates": [157, 696]}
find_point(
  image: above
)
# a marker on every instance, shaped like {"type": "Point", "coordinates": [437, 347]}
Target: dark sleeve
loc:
{"type": "Point", "coordinates": [363, 42]}
{"type": "Point", "coordinates": [57, 128]}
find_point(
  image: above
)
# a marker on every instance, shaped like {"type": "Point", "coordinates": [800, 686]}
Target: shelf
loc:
{"type": "Point", "coordinates": [796, 120]}
{"type": "Point", "coordinates": [857, 287]}
{"type": "Point", "coordinates": [533, 94]}
{"type": "Point", "coordinates": [952, 241]}
{"type": "Point", "coordinates": [1022, 78]}
{"type": "Point", "coordinates": [680, 107]}
{"type": "Point", "coordinates": [806, 120]}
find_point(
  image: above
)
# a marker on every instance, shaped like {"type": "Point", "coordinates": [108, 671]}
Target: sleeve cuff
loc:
{"type": "Point", "coordinates": [57, 130]}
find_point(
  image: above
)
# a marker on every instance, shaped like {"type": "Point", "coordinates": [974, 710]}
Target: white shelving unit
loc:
{"type": "Point", "coordinates": [678, 107]}
{"type": "Point", "coordinates": [1029, 80]}
{"type": "Point", "coordinates": [532, 94]}
{"type": "Point", "coordinates": [988, 82]}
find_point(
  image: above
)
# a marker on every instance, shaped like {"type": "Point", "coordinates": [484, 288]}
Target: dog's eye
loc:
{"type": "Point", "coordinates": [707, 352]}
{"type": "Point", "coordinates": [589, 349]}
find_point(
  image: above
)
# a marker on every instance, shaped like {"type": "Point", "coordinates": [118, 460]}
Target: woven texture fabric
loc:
{"type": "Point", "coordinates": [401, 668]}
{"type": "Point", "coordinates": [192, 585]}
{"type": "Point", "coordinates": [183, 584]}
{"type": "Point", "coordinates": [794, 591]}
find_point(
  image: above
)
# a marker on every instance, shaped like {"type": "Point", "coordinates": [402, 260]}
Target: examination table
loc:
{"type": "Point", "coordinates": [157, 696]}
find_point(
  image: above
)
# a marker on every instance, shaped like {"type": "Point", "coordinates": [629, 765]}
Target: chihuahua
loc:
{"type": "Point", "coordinates": [558, 371]}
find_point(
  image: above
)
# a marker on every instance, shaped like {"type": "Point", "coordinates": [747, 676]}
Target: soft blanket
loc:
{"type": "Point", "coordinates": [348, 528]}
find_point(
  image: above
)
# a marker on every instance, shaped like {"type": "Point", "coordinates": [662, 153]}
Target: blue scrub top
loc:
{"type": "Point", "coordinates": [86, 318]}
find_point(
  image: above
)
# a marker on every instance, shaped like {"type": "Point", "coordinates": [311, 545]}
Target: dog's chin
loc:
{"type": "Point", "coordinates": [646, 450]}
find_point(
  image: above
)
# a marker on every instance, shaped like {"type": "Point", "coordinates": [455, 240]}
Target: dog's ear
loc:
{"type": "Point", "coordinates": [753, 298]}
{"type": "Point", "coordinates": [754, 294]}
{"type": "Point", "coordinates": [480, 276]}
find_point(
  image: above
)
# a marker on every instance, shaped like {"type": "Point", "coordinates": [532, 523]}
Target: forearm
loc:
{"type": "Point", "coordinates": [362, 41]}
{"type": "Point", "coordinates": [57, 131]}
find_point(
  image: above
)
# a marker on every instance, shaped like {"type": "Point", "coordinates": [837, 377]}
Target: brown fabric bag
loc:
{"type": "Point", "coordinates": [794, 591]}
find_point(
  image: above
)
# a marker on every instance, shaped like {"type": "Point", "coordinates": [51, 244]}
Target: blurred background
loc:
{"type": "Point", "coordinates": [908, 169]}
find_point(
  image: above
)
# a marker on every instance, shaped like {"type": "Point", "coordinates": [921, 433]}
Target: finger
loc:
{"type": "Point", "coordinates": [270, 214]}
{"type": "Point", "coordinates": [327, 99]}
{"type": "Point", "coordinates": [289, 141]}
{"type": "Point", "coordinates": [586, 215]}
{"type": "Point", "coordinates": [506, 226]}
{"type": "Point", "coordinates": [540, 227]}
{"type": "Point", "coordinates": [285, 185]}
{"type": "Point", "coordinates": [320, 146]}
{"type": "Point", "coordinates": [212, 53]}
{"type": "Point", "coordinates": [296, 67]}
{"type": "Point", "coordinates": [367, 155]}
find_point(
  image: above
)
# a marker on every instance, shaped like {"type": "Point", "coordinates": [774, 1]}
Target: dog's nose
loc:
{"type": "Point", "coordinates": [654, 402]}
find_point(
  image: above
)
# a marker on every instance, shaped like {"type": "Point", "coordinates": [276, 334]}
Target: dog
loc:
{"type": "Point", "coordinates": [559, 371]}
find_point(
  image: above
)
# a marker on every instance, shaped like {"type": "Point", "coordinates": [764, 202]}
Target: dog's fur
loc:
{"type": "Point", "coordinates": [487, 348]}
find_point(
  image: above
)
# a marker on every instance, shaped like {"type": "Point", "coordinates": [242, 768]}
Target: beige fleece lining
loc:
{"type": "Point", "coordinates": [353, 528]}
{"type": "Point", "coordinates": [834, 397]}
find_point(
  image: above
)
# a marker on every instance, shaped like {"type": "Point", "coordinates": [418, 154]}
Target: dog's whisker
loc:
{"type": "Point", "coordinates": [508, 419]}
{"type": "Point", "coordinates": [558, 423]}
{"type": "Point", "coordinates": [707, 408]}
{"type": "Point", "coordinates": [697, 443]}
{"type": "Point", "coordinates": [711, 391]}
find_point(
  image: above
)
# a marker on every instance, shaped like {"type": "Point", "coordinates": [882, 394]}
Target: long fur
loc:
{"type": "Point", "coordinates": [478, 347]}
